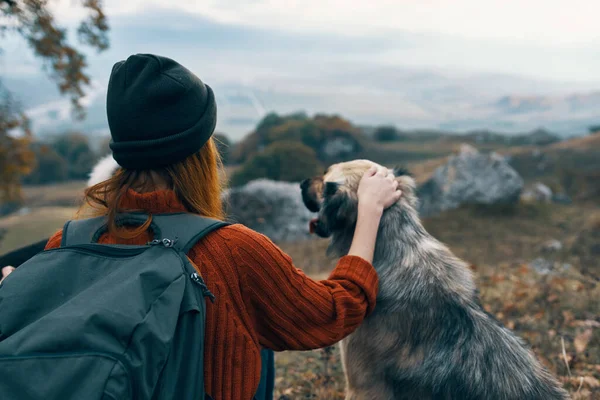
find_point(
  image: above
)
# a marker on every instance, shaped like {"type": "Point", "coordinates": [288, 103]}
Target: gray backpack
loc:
{"type": "Point", "coordinates": [107, 322]}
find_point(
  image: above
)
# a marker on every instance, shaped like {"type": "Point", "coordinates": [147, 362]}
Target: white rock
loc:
{"type": "Point", "coordinates": [470, 177]}
{"type": "Point", "coordinates": [272, 208]}
{"type": "Point", "coordinates": [552, 246]}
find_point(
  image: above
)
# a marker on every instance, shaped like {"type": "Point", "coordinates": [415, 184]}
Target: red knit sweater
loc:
{"type": "Point", "coordinates": [261, 299]}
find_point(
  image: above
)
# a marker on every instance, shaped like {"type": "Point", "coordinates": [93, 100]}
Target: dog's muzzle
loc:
{"type": "Point", "coordinates": [315, 226]}
{"type": "Point", "coordinates": [309, 199]}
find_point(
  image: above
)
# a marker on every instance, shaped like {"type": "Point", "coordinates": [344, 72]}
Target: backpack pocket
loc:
{"type": "Point", "coordinates": [68, 376]}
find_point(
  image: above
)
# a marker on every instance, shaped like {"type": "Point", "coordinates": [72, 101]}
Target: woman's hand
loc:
{"type": "Point", "coordinates": [378, 188]}
{"type": "Point", "coordinates": [6, 271]}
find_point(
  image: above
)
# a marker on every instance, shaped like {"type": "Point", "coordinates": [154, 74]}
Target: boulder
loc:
{"type": "Point", "coordinates": [546, 267]}
{"type": "Point", "coordinates": [470, 177]}
{"type": "Point", "coordinates": [561, 198]}
{"type": "Point", "coordinates": [272, 208]}
{"type": "Point", "coordinates": [552, 246]}
{"type": "Point", "coordinates": [538, 192]}
{"type": "Point", "coordinates": [338, 147]}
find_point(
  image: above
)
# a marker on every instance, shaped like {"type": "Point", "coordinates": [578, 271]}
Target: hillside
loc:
{"type": "Point", "coordinates": [548, 295]}
{"type": "Point", "coordinates": [508, 256]}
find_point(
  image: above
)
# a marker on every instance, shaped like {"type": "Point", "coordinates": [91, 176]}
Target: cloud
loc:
{"type": "Point", "coordinates": [543, 22]}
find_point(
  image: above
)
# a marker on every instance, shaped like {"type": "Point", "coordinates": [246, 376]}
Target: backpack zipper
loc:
{"type": "Point", "coordinates": [197, 279]}
{"type": "Point", "coordinates": [102, 250]}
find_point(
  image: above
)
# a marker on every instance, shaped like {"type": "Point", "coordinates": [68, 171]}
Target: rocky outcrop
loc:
{"type": "Point", "coordinates": [470, 177]}
{"type": "Point", "coordinates": [272, 208]}
{"type": "Point", "coordinates": [339, 147]}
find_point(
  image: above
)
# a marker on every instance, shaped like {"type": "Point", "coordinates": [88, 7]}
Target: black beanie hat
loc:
{"type": "Point", "coordinates": [158, 111]}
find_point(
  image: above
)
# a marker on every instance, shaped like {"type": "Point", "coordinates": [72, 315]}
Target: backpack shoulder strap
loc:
{"type": "Point", "coordinates": [81, 231]}
{"type": "Point", "coordinates": [184, 228]}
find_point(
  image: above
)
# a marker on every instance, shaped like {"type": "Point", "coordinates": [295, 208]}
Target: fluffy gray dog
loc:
{"type": "Point", "coordinates": [428, 337]}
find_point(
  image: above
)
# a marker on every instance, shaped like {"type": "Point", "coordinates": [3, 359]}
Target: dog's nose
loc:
{"type": "Point", "coordinates": [304, 184]}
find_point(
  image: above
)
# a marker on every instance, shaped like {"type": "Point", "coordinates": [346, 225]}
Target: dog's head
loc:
{"type": "Point", "coordinates": [334, 195]}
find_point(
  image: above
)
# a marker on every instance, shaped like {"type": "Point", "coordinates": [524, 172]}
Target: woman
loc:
{"type": "Point", "coordinates": [161, 119]}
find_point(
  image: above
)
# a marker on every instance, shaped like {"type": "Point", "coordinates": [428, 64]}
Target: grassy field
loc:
{"type": "Point", "coordinates": [557, 314]}
{"type": "Point", "coordinates": [545, 310]}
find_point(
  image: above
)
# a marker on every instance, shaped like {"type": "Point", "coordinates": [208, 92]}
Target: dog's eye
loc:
{"type": "Point", "coordinates": [330, 188]}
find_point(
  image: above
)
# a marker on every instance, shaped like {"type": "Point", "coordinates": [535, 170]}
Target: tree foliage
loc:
{"type": "Point", "coordinates": [75, 149]}
{"type": "Point", "coordinates": [594, 129]}
{"type": "Point", "coordinates": [317, 133]}
{"type": "Point", "coordinates": [50, 167]}
{"type": "Point", "coordinates": [281, 161]}
{"type": "Point", "coordinates": [66, 65]}
{"type": "Point", "coordinates": [16, 158]}
{"type": "Point", "coordinates": [34, 22]}
{"type": "Point", "coordinates": [385, 134]}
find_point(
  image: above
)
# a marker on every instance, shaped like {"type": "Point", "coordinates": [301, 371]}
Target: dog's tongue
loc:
{"type": "Point", "coordinates": [312, 225]}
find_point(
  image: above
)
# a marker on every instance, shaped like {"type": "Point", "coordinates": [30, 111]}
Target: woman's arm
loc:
{"type": "Point", "coordinates": [19, 256]}
{"type": "Point", "coordinates": [12, 260]}
{"type": "Point", "coordinates": [376, 192]}
{"type": "Point", "coordinates": [290, 310]}
{"type": "Point", "coordinates": [294, 312]}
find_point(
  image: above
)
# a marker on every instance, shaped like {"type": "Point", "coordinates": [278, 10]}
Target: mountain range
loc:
{"type": "Point", "coordinates": [255, 71]}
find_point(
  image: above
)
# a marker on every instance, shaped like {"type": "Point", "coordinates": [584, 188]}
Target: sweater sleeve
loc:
{"type": "Point", "coordinates": [294, 312]}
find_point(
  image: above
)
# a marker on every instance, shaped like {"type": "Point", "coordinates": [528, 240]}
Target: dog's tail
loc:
{"type": "Point", "coordinates": [503, 366]}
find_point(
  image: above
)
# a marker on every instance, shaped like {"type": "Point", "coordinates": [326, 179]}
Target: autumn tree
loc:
{"type": "Point", "coordinates": [16, 158]}
{"type": "Point", "coordinates": [33, 21]}
{"type": "Point", "coordinates": [281, 161]}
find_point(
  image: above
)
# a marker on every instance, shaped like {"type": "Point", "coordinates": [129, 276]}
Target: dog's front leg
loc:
{"type": "Point", "coordinates": [374, 390]}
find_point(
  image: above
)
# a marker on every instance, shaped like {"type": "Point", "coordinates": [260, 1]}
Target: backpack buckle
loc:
{"type": "Point", "coordinates": [163, 242]}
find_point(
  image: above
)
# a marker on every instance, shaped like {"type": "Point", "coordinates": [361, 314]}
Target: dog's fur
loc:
{"type": "Point", "coordinates": [429, 337]}
{"type": "Point", "coordinates": [103, 170]}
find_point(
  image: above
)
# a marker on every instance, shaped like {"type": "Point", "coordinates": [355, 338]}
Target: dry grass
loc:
{"type": "Point", "coordinates": [39, 224]}
{"type": "Point", "coordinates": [66, 194]}
{"type": "Point", "coordinates": [545, 310]}
{"type": "Point", "coordinates": [584, 143]}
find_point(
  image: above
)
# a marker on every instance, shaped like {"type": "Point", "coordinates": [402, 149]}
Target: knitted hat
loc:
{"type": "Point", "coordinates": [158, 111]}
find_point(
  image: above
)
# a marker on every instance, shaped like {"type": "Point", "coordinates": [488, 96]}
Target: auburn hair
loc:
{"type": "Point", "coordinates": [197, 182]}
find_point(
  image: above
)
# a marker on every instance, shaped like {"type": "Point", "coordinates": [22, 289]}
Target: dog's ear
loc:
{"type": "Point", "coordinates": [339, 207]}
{"type": "Point", "coordinates": [407, 184]}
{"type": "Point", "coordinates": [401, 170]}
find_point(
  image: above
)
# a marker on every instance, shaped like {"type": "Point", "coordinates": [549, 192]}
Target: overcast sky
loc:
{"type": "Point", "coordinates": [546, 22]}
{"type": "Point", "coordinates": [401, 53]}
{"type": "Point", "coordinates": [545, 39]}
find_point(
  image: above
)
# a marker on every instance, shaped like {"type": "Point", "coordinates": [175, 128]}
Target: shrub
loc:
{"type": "Point", "coordinates": [76, 150]}
{"type": "Point", "coordinates": [386, 134]}
{"type": "Point", "coordinates": [331, 137]}
{"type": "Point", "coordinates": [281, 161]}
{"type": "Point", "coordinates": [50, 167]}
{"type": "Point", "coordinates": [223, 145]}
{"type": "Point", "coordinates": [594, 129]}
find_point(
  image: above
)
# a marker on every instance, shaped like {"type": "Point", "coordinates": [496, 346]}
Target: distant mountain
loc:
{"type": "Point", "coordinates": [435, 103]}
{"type": "Point", "coordinates": [586, 103]}
{"type": "Point", "coordinates": [254, 71]}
